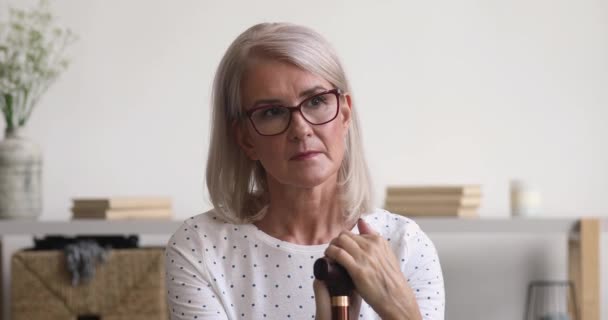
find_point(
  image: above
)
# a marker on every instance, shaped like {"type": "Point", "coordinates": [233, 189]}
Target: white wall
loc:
{"type": "Point", "coordinates": [448, 92]}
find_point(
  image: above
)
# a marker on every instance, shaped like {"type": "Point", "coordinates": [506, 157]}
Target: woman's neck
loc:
{"type": "Point", "coordinates": [306, 216]}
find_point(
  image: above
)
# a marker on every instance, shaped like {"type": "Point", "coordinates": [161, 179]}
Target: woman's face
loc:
{"type": "Point", "coordinates": [305, 155]}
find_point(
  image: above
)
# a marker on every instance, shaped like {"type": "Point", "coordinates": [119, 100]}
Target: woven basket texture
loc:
{"type": "Point", "coordinates": [130, 284]}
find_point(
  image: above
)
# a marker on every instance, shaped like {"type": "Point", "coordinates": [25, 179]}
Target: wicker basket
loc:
{"type": "Point", "coordinates": [129, 285]}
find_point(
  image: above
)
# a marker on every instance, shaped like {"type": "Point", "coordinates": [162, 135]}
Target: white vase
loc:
{"type": "Point", "coordinates": [20, 176]}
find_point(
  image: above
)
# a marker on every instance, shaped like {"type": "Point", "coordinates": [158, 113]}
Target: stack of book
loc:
{"type": "Point", "coordinates": [434, 201]}
{"type": "Point", "coordinates": [116, 208]}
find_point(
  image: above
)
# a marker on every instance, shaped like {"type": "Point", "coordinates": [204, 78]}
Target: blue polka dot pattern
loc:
{"type": "Point", "coordinates": [219, 270]}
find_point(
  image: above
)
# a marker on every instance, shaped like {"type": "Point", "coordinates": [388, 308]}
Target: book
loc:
{"type": "Point", "coordinates": [434, 200]}
{"type": "Point", "coordinates": [122, 203]}
{"type": "Point", "coordinates": [433, 211]}
{"type": "Point", "coordinates": [114, 214]}
{"type": "Point", "coordinates": [464, 190]}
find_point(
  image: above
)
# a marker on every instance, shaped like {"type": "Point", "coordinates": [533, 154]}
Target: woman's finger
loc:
{"type": "Point", "coordinates": [348, 242]}
{"type": "Point", "coordinates": [365, 228]}
{"type": "Point", "coordinates": [342, 257]}
{"type": "Point", "coordinates": [367, 237]}
{"type": "Point", "coordinates": [322, 300]}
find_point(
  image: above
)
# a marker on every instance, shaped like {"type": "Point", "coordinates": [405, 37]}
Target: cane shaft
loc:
{"type": "Point", "coordinates": [339, 308]}
{"type": "Point", "coordinates": [339, 284]}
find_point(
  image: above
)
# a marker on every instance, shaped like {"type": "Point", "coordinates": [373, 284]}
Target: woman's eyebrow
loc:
{"type": "Point", "coordinates": [311, 91]}
{"type": "Point", "coordinates": [266, 101]}
{"type": "Point", "coordinates": [303, 94]}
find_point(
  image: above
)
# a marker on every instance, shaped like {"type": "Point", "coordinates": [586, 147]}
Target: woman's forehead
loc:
{"type": "Point", "coordinates": [271, 79]}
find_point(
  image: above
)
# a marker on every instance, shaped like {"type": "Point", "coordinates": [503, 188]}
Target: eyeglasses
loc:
{"type": "Point", "coordinates": [274, 119]}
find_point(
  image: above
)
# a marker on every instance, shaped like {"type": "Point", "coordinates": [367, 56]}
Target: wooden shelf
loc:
{"type": "Point", "coordinates": [498, 225]}
{"type": "Point", "coordinates": [429, 225]}
{"type": "Point", "coordinates": [88, 227]}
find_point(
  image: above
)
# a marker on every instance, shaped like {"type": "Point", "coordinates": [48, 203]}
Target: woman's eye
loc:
{"type": "Point", "coordinates": [273, 111]}
{"type": "Point", "coordinates": [317, 101]}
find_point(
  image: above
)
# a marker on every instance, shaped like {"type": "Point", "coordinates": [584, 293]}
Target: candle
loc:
{"type": "Point", "coordinates": [525, 199]}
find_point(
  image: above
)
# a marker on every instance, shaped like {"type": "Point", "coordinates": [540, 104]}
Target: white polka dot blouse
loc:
{"type": "Point", "coordinates": [219, 270]}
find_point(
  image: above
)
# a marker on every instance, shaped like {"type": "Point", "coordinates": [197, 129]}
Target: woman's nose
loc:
{"type": "Point", "coordinates": [299, 128]}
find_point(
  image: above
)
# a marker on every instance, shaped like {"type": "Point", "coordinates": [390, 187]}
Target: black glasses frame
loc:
{"type": "Point", "coordinates": [336, 92]}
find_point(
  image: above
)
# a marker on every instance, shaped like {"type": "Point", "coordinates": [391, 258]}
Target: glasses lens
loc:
{"type": "Point", "coordinates": [320, 109]}
{"type": "Point", "coordinates": [274, 119]}
{"type": "Point", "coordinates": [271, 119]}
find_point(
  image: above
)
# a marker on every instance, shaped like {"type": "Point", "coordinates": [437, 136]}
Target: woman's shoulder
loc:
{"type": "Point", "coordinates": [209, 224]}
{"type": "Point", "coordinates": [403, 234]}
{"type": "Point", "coordinates": [393, 226]}
{"type": "Point", "coordinates": [382, 219]}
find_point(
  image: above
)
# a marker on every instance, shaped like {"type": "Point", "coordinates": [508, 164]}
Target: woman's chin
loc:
{"type": "Point", "coordinates": [308, 178]}
{"type": "Point", "coordinates": [310, 181]}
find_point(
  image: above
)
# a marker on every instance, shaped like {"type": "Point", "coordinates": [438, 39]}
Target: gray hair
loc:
{"type": "Point", "coordinates": [237, 185]}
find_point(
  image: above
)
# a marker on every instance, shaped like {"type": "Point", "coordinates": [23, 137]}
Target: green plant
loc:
{"type": "Point", "coordinates": [32, 56]}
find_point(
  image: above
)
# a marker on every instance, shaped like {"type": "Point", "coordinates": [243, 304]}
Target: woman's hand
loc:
{"type": "Point", "coordinates": [375, 273]}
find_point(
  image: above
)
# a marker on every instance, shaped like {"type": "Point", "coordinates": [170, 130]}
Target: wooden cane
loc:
{"type": "Point", "coordinates": [339, 284]}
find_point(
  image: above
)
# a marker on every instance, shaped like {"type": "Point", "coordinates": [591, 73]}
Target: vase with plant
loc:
{"type": "Point", "coordinates": [32, 56]}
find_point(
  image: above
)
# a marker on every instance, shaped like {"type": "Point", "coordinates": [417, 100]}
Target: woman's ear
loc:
{"type": "Point", "coordinates": [244, 140]}
{"type": "Point", "coordinates": [346, 111]}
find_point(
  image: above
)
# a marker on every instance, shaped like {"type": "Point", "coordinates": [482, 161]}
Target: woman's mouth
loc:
{"type": "Point", "coordinates": [305, 155]}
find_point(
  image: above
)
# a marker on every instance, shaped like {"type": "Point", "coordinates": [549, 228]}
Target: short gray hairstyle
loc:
{"type": "Point", "coordinates": [236, 184]}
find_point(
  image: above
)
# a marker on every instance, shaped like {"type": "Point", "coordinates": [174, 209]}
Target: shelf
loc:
{"type": "Point", "coordinates": [498, 225]}
{"type": "Point", "coordinates": [88, 227]}
{"type": "Point", "coordinates": [428, 225]}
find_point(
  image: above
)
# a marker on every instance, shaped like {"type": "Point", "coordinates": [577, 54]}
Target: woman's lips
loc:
{"type": "Point", "coordinates": [305, 155]}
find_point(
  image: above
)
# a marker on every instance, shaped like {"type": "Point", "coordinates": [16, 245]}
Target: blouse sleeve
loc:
{"type": "Point", "coordinates": [189, 292]}
{"type": "Point", "coordinates": [424, 275]}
